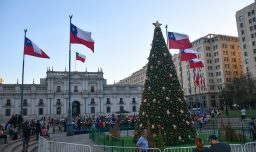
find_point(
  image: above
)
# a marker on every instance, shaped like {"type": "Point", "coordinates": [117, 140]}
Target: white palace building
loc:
{"type": "Point", "coordinates": [90, 95]}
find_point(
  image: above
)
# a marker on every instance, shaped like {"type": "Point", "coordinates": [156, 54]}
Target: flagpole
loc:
{"type": "Point", "coordinates": [167, 42]}
{"type": "Point", "coordinates": [189, 76]}
{"type": "Point", "coordinates": [181, 78]}
{"type": "Point", "coordinates": [75, 65]}
{"type": "Point", "coordinates": [69, 118]}
{"type": "Point", "coordinates": [22, 79]}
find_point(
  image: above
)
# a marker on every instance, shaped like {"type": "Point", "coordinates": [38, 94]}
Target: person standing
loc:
{"type": "Point", "coordinates": [2, 135]}
{"type": "Point", "coordinates": [243, 114]}
{"type": "Point", "coordinates": [38, 129]}
{"type": "Point", "coordinates": [252, 127]}
{"type": "Point", "coordinates": [142, 143]}
{"type": "Point", "coordinates": [26, 135]}
{"type": "Point", "coordinates": [200, 146]}
{"type": "Point", "coordinates": [216, 146]}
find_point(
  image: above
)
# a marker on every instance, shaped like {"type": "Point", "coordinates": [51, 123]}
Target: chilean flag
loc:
{"type": "Point", "coordinates": [188, 54]}
{"type": "Point", "coordinates": [78, 36]}
{"type": "Point", "coordinates": [80, 57]}
{"type": "Point", "coordinates": [30, 48]}
{"type": "Point", "coordinates": [196, 63]}
{"type": "Point", "coordinates": [178, 41]}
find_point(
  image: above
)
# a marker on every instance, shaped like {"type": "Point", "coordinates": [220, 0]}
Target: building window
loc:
{"type": "Point", "coordinates": [41, 102]}
{"type": "Point", "coordinates": [133, 101]}
{"type": "Point", "coordinates": [41, 111]}
{"type": "Point", "coordinates": [25, 102]}
{"type": "Point", "coordinates": [8, 102]}
{"type": "Point", "coordinates": [134, 109]}
{"type": "Point", "coordinates": [108, 109]}
{"type": "Point", "coordinates": [92, 101]}
{"type": "Point", "coordinates": [108, 101]}
{"type": "Point", "coordinates": [241, 25]}
{"type": "Point", "coordinates": [245, 53]}
{"type": "Point", "coordinates": [244, 46]}
{"type": "Point", "coordinates": [58, 110]}
{"type": "Point", "coordinates": [249, 13]}
{"type": "Point", "coordinates": [75, 89]}
{"type": "Point", "coordinates": [254, 51]}
{"type": "Point", "coordinates": [242, 32]}
{"type": "Point", "coordinates": [7, 112]}
{"type": "Point", "coordinates": [92, 89]}
{"type": "Point", "coordinates": [211, 87]}
{"type": "Point", "coordinates": [92, 109]}
{"type": "Point", "coordinates": [25, 112]}
{"type": "Point", "coordinates": [58, 102]}
{"type": "Point", "coordinates": [58, 89]}
{"type": "Point", "coordinates": [121, 108]}
{"type": "Point", "coordinates": [121, 101]}
{"type": "Point", "coordinates": [246, 61]}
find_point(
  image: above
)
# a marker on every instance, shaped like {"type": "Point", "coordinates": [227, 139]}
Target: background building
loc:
{"type": "Point", "coordinates": [90, 96]}
{"type": "Point", "coordinates": [137, 77]}
{"type": "Point", "coordinates": [222, 62]}
{"type": "Point", "coordinates": [222, 59]}
{"type": "Point", "coordinates": [246, 27]}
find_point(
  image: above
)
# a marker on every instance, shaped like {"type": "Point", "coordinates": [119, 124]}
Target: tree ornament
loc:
{"type": "Point", "coordinates": [174, 126]}
{"type": "Point", "coordinates": [181, 111]}
{"type": "Point", "coordinates": [165, 54]}
{"type": "Point", "coordinates": [163, 88]}
{"type": "Point", "coordinates": [152, 126]}
{"type": "Point", "coordinates": [168, 112]}
{"type": "Point", "coordinates": [143, 113]}
{"type": "Point", "coordinates": [151, 67]}
{"type": "Point", "coordinates": [158, 62]}
{"type": "Point", "coordinates": [187, 122]}
{"type": "Point", "coordinates": [167, 98]}
{"type": "Point", "coordinates": [180, 138]}
{"type": "Point", "coordinates": [149, 88]}
{"type": "Point", "coordinates": [140, 125]}
{"type": "Point", "coordinates": [170, 75]}
{"type": "Point", "coordinates": [154, 101]}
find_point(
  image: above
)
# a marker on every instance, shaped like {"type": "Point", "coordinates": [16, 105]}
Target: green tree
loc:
{"type": "Point", "coordinates": [163, 102]}
{"type": "Point", "coordinates": [241, 91]}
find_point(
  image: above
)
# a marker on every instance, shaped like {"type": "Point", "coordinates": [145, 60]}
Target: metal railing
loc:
{"type": "Point", "coordinates": [103, 148]}
{"type": "Point", "coordinates": [237, 147]}
{"type": "Point", "coordinates": [250, 147]}
{"type": "Point", "coordinates": [45, 145]}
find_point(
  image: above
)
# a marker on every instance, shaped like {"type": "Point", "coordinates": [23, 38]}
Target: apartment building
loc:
{"type": "Point", "coordinates": [246, 27]}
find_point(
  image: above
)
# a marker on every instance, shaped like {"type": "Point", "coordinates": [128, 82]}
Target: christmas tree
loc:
{"type": "Point", "coordinates": [163, 104]}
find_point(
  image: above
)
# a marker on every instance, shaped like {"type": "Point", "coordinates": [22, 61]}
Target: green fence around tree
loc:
{"type": "Point", "coordinates": [228, 135]}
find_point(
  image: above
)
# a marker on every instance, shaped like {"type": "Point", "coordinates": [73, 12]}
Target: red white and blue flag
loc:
{"type": "Point", "coordinates": [30, 48]}
{"type": "Point", "coordinates": [78, 36]}
{"type": "Point", "coordinates": [178, 41]}
{"type": "Point", "coordinates": [80, 57]}
{"type": "Point", "coordinates": [196, 63]}
{"type": "Point", "coordinates": [188, 54]}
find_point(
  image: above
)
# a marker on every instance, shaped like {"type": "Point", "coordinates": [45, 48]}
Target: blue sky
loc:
{"type": "Point", "coordinates": [122, 31]}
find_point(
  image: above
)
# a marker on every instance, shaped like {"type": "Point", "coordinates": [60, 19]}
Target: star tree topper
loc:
{"type": "Point", "coordinates": [157, 24]}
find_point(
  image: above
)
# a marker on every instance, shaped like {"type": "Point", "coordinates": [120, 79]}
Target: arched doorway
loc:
{"type": "Point", "coordinates": [75, 108]}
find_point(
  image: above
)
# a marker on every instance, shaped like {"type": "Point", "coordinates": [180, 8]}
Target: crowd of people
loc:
{"type": "Point", "coordinates": [17, 128]}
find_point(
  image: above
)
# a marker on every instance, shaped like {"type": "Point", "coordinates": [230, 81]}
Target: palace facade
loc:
{"type": "Point", "coordinates": [90, 95]}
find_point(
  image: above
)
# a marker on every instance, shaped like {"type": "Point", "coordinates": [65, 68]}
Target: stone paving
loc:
{"type": "Point", "coordinates": [78, 139]}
